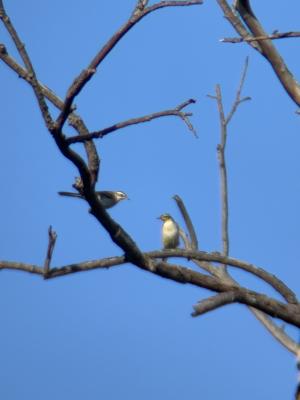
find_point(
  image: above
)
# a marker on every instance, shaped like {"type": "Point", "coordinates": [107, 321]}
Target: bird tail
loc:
{"type": "Point", "coordinates": [70, 194]}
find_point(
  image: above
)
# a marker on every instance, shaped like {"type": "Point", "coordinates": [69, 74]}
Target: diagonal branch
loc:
{"type": "Point", "coordinates": [177, 111]}
{"type": "Point", "coordinates": [29, 67]}
{"type": "Point", "coordinates": [214, 302]}
{"type": "Point", "coordinates": [119, 236]}
{"type": "Point", "coordinates": [238, 99]}
{"type": "Point", "coordinates": [265, 47]}
{"type": "Point", "coordinates": [82, 79]}
{"type": "Point", "coordinates": [237, 24]}
{"type": "Point", "coordinates": [75, 121]}
{"type": "Point", "coordinates": [188, 222]}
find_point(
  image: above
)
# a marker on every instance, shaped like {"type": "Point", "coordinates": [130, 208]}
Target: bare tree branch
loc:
{"type": "Point", "coordinates": [224, 121]}
{"type": "Point", "coordinates": [265, 47]}
{"type": "Point", "coordinates": [238, 99]}
{"type": "Point", "coordinates": [289, 313]}
{"type": "Point", "coordinates": [277, 333]}
{"type": "Point", "coordinates": [261, 273]}
{"type": "Point", "coordinates": [75, 121]}
{"type": "Point", "coordinates": [273, 36]}
{"type": "Point", "coordinates": [82, 79]}
{"type": "Point", "coordinates": [177, 111]}
{"type": "Point", "coordinates": [116, 232]}
{"type": "Point", "coordinates": [211, 303]}
{"type": "Point", "coordinates": [193, 242]}
{"type": "Point", "coordinates": [237, 24]}
{"type": "Point", "coordinates": [51, 244]}
{"type": "Point", "coordinates": [188, 221]}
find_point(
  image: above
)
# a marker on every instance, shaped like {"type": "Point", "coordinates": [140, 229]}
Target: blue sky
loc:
{"type": "Point", "coordinates": [123, 333]}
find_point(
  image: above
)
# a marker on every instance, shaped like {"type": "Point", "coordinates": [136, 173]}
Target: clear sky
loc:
{"type": "Point", "coordinates": [123, 333]}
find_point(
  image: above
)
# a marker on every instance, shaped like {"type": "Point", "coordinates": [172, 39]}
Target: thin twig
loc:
{"type": "Point", "coordinates": [238, 99]}
{"type": "Point", "coordinates": [273, 36]}
{"type": "Point", "coordinates": [52, 236]}
{"type": "Point", "coordinates": [177, 111]}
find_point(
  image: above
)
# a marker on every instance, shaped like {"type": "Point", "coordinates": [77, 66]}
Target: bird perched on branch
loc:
{"type": "Point", "coordinates": [169, 232]}
{"type": "Point", "coordinates": [108, 198]}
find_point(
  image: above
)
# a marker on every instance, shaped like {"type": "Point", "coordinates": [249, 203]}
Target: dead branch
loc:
{"type": "Point", "coordinates": [52, 236]}
{"type": "Point", "coordinates": [259, 272]}
{"type": "Point", "coordinates": [188, 222]}
{"type": "Point", "coordinates": [214, 302]}
{"type": "Point", "coordinates": [289, 313]}
{"type": "Point", "coordinates": [177, 111]}
{"type": "Point", "coordinates": [273, 36]}
{"type": "Point", "coordinates": [265, 47]}
{"type": "Point", "coordinates": [81, 80]}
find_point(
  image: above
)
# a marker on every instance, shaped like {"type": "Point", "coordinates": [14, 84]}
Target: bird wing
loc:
{"type": "Point", "coordinates": [70, 194]}
{"type": "Point", "coordinates": [107, 194]}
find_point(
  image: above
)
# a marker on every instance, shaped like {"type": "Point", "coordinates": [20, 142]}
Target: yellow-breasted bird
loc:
{"type": "Point", "coordinates": [169, 232]}
{"type": "Point", "coordinates": [108, 198]}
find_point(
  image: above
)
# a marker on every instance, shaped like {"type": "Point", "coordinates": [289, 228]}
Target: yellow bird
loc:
{"type": "Point", "coordinates": [169, 232]}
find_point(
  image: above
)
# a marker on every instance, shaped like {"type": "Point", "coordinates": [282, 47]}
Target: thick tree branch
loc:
{"type": "Point", "coordinates": [214, 302]}
{"type": "Point", "coordinates": [271, 279]}
{"type": "Point", "coordinates": [237, 24]}
{"type": "Point", "coordinates": [265, 47]}
{"type": "Point", "coordinates": [117, 234]}
{"type": "Point", "coordinates": [289, 313]}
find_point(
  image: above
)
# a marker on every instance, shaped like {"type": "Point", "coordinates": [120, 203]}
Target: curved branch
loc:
{"type": "Point", "coordinates": [272, 280]}
{"type": "Point", "coordinates": [214, 302]}
{"type": "Point", "coordinates": [188, 221]}
{"type": "Point", "coordinates": [289, 313]}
